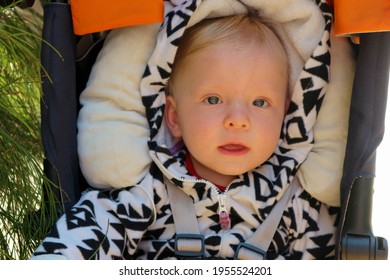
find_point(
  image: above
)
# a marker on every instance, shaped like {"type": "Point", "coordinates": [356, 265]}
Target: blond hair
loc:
{"type": "Point", "coordinates": [244, 28]}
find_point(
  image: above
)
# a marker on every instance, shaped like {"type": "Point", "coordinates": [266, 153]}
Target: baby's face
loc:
{"type": "Point", "coordinates": [230, 103]}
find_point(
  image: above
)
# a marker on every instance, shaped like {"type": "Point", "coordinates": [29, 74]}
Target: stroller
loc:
{"type": "Point", "coordinates": [69, 73]}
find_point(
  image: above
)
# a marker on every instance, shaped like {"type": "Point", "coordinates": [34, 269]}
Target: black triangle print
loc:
{"type": "Point", "coordinates": [335, 211]}
{"type": "Point", "coordinates": [282, 159]}
{"type": "Point", "coordinates": [161, 84]}
{"type": "Point", "coordinates": [277, 169]}
{"type": "Point", "coordinates": [169, 220]}
{"type": "Point", "coordinates": [103, 241]}
{"type": "Point", "coordinates": [54, 232]}
{"type": "Point", "coordinates": [79, 217]}
{"type": "Point", "coordinates": [323, 58]}
{"type": "Point", "coordinates": [176, 42]}
{"type": "Point", "coordinates": [146, 211]}
{"type": "Point", "coordinates": [322, 240]}
{"type": "Point", "coordinates": [279, 181]}
{"type": "Point", "coordinates": [293, 107]}
{"type": "Point", "coordinates": [306, 83]}
{"type": "Point", "coordinates": [180, 19]}
{"type": "Point", "coordinates": [323, 249]}
{"type": "Point", "coordinates": [164, 74]}
{"type": "Point", "coordinates": [53, 246]}
{"type": "Point", "coordinates": [296, 255]}
{"type": "Point", "coordinates": [297, 121]}
{"type": "Point", "coordinates": [314, 203]}
{"type": "Point", "coordinates": [235, 217]}
{"type": "Point", "coordinates": [213, 240]}
{"type": "Point", "coordinates": [192, 7]}
{"type": "Point", "coordinates": [146, 72]}
{"type": "Point", "coordinates": [310, 99]}
{"type": "Point", "coordinates": [213, 208]}
{"type": "Point", "coordinates": [149, 100]}
{"type": "Point", "coordinates": [93, 245]}
{"type": "Point", "coordinates": [320, 71]}
{"type": "Point", "coordinates": [121, 210]}
{"type": "Point", "coordinates": [258, 180]}
{"type": "Point", "coordinates": [284, 150]}
{"type": "Point", "coordinates": [200, 189]}
{"type": "Point", "coordinates": [311, 223]}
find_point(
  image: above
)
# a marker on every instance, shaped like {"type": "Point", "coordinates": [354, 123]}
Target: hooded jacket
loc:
{"type": "Point", "coordinates": [137, 223]}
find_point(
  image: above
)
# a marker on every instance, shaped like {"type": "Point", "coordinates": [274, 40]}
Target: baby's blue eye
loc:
{"type": "Point", "coordinates": [213, 100]}
{"type": "Point", "coordinates": [260, 103]}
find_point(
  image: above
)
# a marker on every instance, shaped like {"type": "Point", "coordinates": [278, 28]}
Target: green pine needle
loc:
{"type": "Point", "coordinates": [26, 214]}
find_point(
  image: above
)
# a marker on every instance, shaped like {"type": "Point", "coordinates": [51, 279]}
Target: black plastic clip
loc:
{"type": "Point", "coordinates": [246, 251]}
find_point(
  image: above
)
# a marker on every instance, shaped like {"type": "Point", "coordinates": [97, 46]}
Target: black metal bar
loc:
{"type": "Point", "coordinates": [358, 241]}
{"type": "Point", "coordinates": [59, 103]}
{"type": "Point", "coordinates": [365, 133]}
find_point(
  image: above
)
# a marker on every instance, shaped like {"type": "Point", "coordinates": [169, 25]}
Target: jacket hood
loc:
{"type": "Point", "coordinates": [303, 26]}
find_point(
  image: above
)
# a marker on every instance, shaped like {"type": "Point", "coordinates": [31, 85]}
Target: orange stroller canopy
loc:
{"type": "Point", "coordinates": [361, 16]}
{"type": "Point", "coordinates": [351, 16]}
{"type": "Point", "coordinates": [103, 15]}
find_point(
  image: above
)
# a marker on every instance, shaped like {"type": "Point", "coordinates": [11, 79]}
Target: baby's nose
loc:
{"type": "Point", "coordinates": [235, 124]}
{"type": "Point", "coordinates": [237, 117]}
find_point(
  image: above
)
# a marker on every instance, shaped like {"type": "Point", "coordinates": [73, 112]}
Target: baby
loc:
{"type": "Point", "coordinates": [226, 103]}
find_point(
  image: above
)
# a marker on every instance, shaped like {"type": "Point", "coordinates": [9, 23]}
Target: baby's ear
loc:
{"type": "Point", "coordinates": [171, 117]}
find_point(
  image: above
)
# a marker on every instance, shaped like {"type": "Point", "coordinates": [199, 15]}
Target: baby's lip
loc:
{"type": "Point", "coordinates": [233, 149]}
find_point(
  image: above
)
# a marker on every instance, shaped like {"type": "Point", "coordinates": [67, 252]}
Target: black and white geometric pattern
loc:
{"type": "Point", "coordinates": [137, 222]}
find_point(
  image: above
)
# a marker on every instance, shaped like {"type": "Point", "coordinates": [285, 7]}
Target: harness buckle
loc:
{"type": "Point", "coordinates": [189, 245]}
{"type": "Point", "coordinates": [247, 251]}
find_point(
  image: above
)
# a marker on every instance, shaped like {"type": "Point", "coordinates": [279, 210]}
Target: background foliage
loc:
{"type": "Point", "coordinates": [27, 205]}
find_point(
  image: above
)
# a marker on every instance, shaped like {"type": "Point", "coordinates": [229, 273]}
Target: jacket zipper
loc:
{"type": "Point", "coordinates": [224, 216]}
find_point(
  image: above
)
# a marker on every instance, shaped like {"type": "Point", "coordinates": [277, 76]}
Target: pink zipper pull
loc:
{"type": "Point", "coordinates": [224, 220]}
{"type": "Point", "coordinates": [224, 217]}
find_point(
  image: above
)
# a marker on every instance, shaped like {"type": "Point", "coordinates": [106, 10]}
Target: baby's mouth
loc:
{"type": "Point", "coordinates": [233, 149]}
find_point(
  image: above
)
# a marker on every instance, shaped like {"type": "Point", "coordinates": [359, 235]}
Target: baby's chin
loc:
{"type": "Point", "coordinates": [235, 172]}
